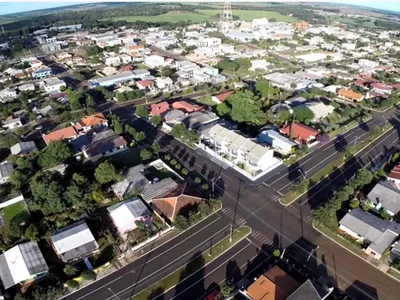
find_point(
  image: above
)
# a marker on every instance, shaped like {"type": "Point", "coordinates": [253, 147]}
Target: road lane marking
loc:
{"type": "Point", "coordinates": [150, 260]}
{"type": "Point", "coordinates": [212, 271]}
{"type": "Point", "coordinates": [341, 173]}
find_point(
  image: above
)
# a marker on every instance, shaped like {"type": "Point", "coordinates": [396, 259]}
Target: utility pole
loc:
{"type": "Point", "coordinates": [213, 182]}
{"type": "Point", "coordinates": [302, 174]}
{"type": "Point", "coordinates": [230, 233]}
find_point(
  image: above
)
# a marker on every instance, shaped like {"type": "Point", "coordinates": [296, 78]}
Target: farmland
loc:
{"type": "Point", "coordinates": [206, 15]}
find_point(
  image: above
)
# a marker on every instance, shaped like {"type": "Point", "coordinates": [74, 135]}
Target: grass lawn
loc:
{"type": "Point", "coordinates": [17, 212]}
{"type": "Point", "coordinates": [206, 15]}
{"type": "Point", "coordinates": [171, 17]}
{"type": "Point", "coordinates": [248, 15]}
{"type": "Point", "coordinates": [369, 23]}
{"type": "Point", "coordinates": [197, 264]}
{"type": "Point", "coordinates": [128, 158]}
{"type": "Point", "coordinates": [205, 100]}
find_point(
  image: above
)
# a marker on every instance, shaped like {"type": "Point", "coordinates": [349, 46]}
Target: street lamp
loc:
{"type": "Point", "coordinates": [213, 182]}
{"type": "Point", "coordinates": [302, 174]}
{"type": "Point", "coordinates": [312, 252]}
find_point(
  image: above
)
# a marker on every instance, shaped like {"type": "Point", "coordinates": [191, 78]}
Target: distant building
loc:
{"type": "Point", "coordinates": [42, 73]}
{"type": "Point", "coordinates": [6, 169]}
{"type": "Point", "coordinates": [114, 79]}
{"type": "Point", "coordinates": [23, 148]}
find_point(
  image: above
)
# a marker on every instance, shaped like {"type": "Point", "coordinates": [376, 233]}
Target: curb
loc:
{"type": "Point", "coordinates": [355, 254]}
{"type": "Point", "coordinates": [227, 249]}
{"type": "Point", "coordinates": [362, 149]}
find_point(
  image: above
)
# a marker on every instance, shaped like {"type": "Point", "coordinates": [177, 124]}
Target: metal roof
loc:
{"type": "Point", "coordinates": [6, 169]}
{"type": "Point", "coordinates": [386, 195]}
{"type": "Point", "coordinates": [154, 190]}
{"type": "Point", "coordinates": [23, 147]}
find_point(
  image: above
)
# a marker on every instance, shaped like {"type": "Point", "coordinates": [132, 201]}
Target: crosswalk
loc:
{"type": "Point", "coordinates": [294, 209]}
{"type": "Point", "coordinates": [230, 214]}
{"type": "Point", "coordinates": [260, 239]}
{"type": "Point", "coordinates": [269, 194]}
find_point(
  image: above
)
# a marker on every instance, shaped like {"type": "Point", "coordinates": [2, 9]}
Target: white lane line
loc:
{"type": "Point", "coordinates": [163, 267]}
{"type": "Point", "coordinates": [169, 249]}
{"type": "Point", "coordinates": [208, 274]}
{"type": "Point", "coordinates": [375, 157]}
{"type": "Point", "coordinates": [302, 163]}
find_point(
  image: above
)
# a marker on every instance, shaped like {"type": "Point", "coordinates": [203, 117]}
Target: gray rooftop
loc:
{"type": "Point", "coordinates": [173, 115]}
{"type": "Point", "coordinates": [135, 206]}
{"type": "Point", "coordinates": [308, 291]}
{"type": "Point", "coordinates": [23, 148]}
{"type": "Point", "coordinates": [11, 121]}
{"type": "Point", "coordinates": [127, 75]}
{"type": "Point", "coordinates": [6, 169]}
{"type": "Point", "coordinates": [372, 228]}
{"type": "Point", "coordinates": [155, 190]}
{"type": "Point", "coordinates": [198, 118]}
{"type": "Point", "coordinates": [134, 180]}
{"type": "Point", "coordinates": [386, 195]}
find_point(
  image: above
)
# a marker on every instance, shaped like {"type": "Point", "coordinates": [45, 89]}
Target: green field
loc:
{"type": "Point", "coordinates": [206, 15]}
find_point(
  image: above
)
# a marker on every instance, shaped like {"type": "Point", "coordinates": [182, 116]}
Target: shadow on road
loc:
{"type": "Point", "coordinates": [195, 263]}
{"type": "Point", "coordinates": [359, 290]}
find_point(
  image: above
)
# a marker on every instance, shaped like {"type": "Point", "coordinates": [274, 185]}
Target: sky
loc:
{"type": "Point", "coordinates": [15, 7]}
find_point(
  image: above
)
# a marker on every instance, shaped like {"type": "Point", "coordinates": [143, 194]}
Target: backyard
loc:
{"type": "Point", "coordinates": [17, 212]}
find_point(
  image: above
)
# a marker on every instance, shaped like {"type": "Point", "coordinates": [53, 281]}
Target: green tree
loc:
{"type": "Point", "coordinates": [223, 109]}
{"type": "Point", "coordinates": [197, 179]}
{"type": "Point", "coordinates": [72, 284]}
{"type": "Point", "coordinates": [283, 115]}
{"type": "Point", "coordinates": [156, 148]}
{"type": "Point", "coordinates": [141, 111]}
{"type": "Point", "coordinates": [181, 223]}
{"type": "Point", "coordinates": [55, 153]}
{"type": "Point", "coordinates": [18, 178]}
{"type": "Point", "coordinates": [70, 270]}
{"type": "Point", "coordinates": [226, 64]}
{"type": "Point", "coordinates": [303, 114]}
{"type": "Point", "coordinates": [263, 87]}
{"type": "Point", "coordinates": [32, 233]}
{"type": "Point", "coordinates": [88, 275]}
{"type": "Point", "coordinates": [90, 102]}
{"type": "Point", "coordinates": [226, 290]}
{"type": "Point", "coordinates": [74, 194]}
{"type": "Point", "coordinates": [185, 171]}
{"type": "Point", "coordinates": [167, 72]}
{"type": "Point", "coordinates": [145, 154]}
{"type": "Point", "coordinates": [205, 186]}
{"type": "Point", "coordinates": [130, 130]}
{"type": "Point", "coordinates": [156, 120]}
{"type": "Point", "coordinates": [167, 157]}
{"type": "Point", "coordinates": [276, 253]}
{"type": "Point", "coordinates": [106, 173]}
{"type": "Point", "coordinates": [118, 128]}
{"type": "Point", "coordinates": [354, 203]}
{"type": "Point", "coordinates": [139, 136]}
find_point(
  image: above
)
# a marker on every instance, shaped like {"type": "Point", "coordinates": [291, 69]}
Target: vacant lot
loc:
{"type": "Point", "coordinates": [207, 15]}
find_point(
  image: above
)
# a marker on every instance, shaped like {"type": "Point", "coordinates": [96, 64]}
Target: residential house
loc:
{"type": "Point", "coordinates": [175, 203]}
{"type": "Point", "coordinates": [125, 58]}
{"type": "Point", "coordinates": [369, 229]}
{"type": "Point", "coordinates": [276, 284]}
{"type": "Point", "coordinates": [64, 56]}
{"type": "Point", "coordinates": [259, 64]}
{"type": "Point", "coordinates": [134, 180]}
{"type": "Point", "coordinates": [159, 108]}
{"type": "Point", "coordinates": [186, 106]}
{"type": "Point", "coordinates": [164, 83]}
{"type": "Point", "coordinates": [145, 85]}
{"type": "Point", "coordinates": [288, 81]}
{"type": "Point", "coordinates": [173, 116]}
{"type": "Point", "coordinates": [8, 94]}
{"type": "Point", "coordinates": [42, 73]}
{"type": "Point", "coordinates": [158, 189]}
{"type": "Point", "coordinates": [106, 143]}
{"type": "Point", "coordinates": [221, 97]}
{"type": "Point", "coordinates": [125, 214]}
{"type": "Point", "coordinates": [154, 61]}
{"type": "Point", "coordinates": [67, 133]}
{"type": "Point", "coordinates": [12, 123]}
{"type": "Point", "coordinates": [394, 176]}
{"type": "Point", "coordinates": [240, 150]}
{"type": "Point", "coordinates": [197, 119]}
{"type": "Point", "coordinates": [385, 197]}
{"type": "Point", "coordinates": [350, 95]}
{"type": "Point", "coordinates": [302, 134]}
{"type": "Point", "coordinates": [21, 263]}
{"type": "Point", "coordinates": [52, 85]}
{"type": "Point", "coordinates": [89, 122]}
{"type": "Point", "coordinates": [141, 73]}
{"type": "Point", "coordinates": [26, 87]}
{"type": "Point", "coordinates": [114, 79]}
{"type": "Point", "coordinates": [112, 61]}
{"type": "Point", "coordinates": [278, 142]}
{"type": "Point", "coordinates": [380, 87]}
{"type": "Point", "coordinates": [6, 169]}
{"type": "Point", "coordinates": [23, 148]}
{"type": "Point", "coordinates": [74, 242]}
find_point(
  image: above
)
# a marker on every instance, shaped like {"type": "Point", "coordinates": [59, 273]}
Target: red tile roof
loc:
{"type": "Point", "coordinates": [301, 132]}
{"type": "Point", "coordinates": [145, 83]}
{"type": "Point", "coordinates": [61, 134]}
{"type": "Point", "coordinates": [126, 68]}
{"type": "Point", "coordinates": [395, 173]}
{"type": "Point", "coordinates": [381, 86]}
{"type": "Point", "coordinates": [170, 207]}
{"type": "Point", "coordinates": [186, 106]}
{"type": "Point", "coordinates": [223, 96]}
{"type": "Point", "coordinates": [93, 120]}
{"type": "Point", "coordinates": [159, 108]}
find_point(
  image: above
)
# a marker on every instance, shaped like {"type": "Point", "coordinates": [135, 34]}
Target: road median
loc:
{"type": "Point", "coordinates": [299, 190]}
{"type": "Point", "coordinates": [194, 265]}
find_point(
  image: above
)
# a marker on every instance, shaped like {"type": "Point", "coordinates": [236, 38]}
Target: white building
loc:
{"type": "Point", "coordinates": [8, 94]}
{"type": "Point", "coordinates": [26, 87]}
{"type": "Point", "coordinates": [164, 83]}
{"type": "Point", "coordinates": [258, 24]}
{"type": "Point", "coordinates": [319, 109]}
{"type": "Point", "coordinates": [125, 58]}
{"type": "Point", "coordinates": [240, 151]}
{"type": "Point", "coordinates": [12, 124]}
{"type": "Point", "coordinates": [288, 81]}
{"type": "Point", "coordinates": [6, 169]}
{"type": "Point", "coordinates": [259, 64]}
{"type": "Point", "coordinates": [22, 263]}
{"type": "Point", "coordinates": [349, 46]}
{"type": "Point", "coordinates": [52, 84]}
{"type": "Point", "coordinates": [368, 63]}
{"type": "Point", "coordinates": [154, 61]}
{"type": "Point", "coordinates": [112, 61]}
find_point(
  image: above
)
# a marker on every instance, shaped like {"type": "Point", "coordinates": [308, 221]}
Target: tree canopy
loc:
{"type": "Point", "coordinates": [55, 153]}
{"type": "Point", "coordinates": [303, 114]}
{"type": "Point", "coordinates": [106, 173]}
